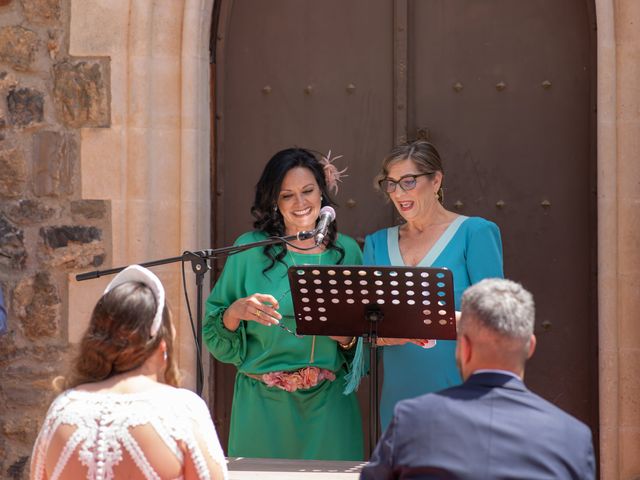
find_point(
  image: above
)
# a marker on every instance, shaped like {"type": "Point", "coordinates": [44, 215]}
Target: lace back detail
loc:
{"type": "Point", "coordinates": [106, 426]}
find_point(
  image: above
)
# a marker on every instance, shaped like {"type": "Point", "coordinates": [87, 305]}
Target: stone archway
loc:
{"type": "Point", "coordinates": [618, 237]}
{"type": "Point", "coordinates": [160, 95]}
{"type": "Point", "coordinates": [152, 161]}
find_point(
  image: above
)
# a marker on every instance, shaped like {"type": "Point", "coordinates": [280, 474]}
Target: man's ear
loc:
{"type": "Point", "coordinates": [466, 349]}
{"type": "Point", "coordinates": [532, 346]}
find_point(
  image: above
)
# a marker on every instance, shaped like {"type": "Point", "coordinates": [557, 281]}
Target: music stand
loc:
{"type": "Point", "coordinates": [355, 301]}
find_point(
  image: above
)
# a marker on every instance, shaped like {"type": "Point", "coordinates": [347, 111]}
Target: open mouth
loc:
{"type": "Point", "coordinates": [302, 213]}
{"type": "Point", "coordinates": [405, 205]}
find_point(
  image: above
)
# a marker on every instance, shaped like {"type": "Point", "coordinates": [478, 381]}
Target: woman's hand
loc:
{"type": "Point", "coordinates": [421, 342]}
{"type": "Point", "coordinates": [259, 307]}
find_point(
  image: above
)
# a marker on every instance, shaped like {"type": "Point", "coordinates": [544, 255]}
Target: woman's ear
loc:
{"type": "Point", "coordinates": [437, 180]}
{"type": "Point", "coordinates": [162, 348]}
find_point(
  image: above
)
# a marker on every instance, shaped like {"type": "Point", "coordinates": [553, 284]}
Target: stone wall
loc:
{"type": "Point", "coordinates": [46, 228]}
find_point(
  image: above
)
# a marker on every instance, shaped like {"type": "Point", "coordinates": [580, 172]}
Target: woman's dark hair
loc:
{"type": "Point", "coordinates": [268, 218]}
{"type": "Point", "coordinates": [118, 337]}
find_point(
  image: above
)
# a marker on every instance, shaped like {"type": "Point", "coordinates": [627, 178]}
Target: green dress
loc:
{"type": "Point", "coordinates": [315, 423]}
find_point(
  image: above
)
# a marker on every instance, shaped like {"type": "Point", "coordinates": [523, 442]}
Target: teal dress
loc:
{"type": "Point", "coordinates": [471, 248]}
{"type": "Point", "coordinates": [266, 421]}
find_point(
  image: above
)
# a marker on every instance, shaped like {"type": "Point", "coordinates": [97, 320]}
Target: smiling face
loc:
{"type": "Point", "coordinates": [417, 203]}
{"type": "Point", "coordinates": [299, 200]}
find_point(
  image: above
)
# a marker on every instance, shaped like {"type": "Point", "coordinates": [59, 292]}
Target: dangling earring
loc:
{"type": "Point", "coordinates": [165, 356]}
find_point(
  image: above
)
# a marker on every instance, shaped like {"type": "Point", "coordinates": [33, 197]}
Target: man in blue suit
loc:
{"type": "Point", "coordinates": [491, 426]}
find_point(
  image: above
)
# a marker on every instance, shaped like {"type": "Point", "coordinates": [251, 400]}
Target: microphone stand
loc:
{"type": "Point", "coordinates": [200, 264]}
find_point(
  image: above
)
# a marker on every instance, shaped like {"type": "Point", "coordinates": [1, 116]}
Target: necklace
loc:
{"type": "Point", "coordinates": [288, 291]}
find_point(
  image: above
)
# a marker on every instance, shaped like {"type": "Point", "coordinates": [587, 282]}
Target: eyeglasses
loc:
{"type": "Point", "coordinates": [406, 182]}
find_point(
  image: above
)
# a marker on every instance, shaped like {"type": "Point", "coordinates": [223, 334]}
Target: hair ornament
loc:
{"type": "Point", "coordinates": [136, 273]}
{"type": "Point", "coordinates": [331, 173]}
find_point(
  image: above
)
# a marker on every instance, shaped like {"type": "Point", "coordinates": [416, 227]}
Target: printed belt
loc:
{"type": "Point", "coordinates": [301, 379]}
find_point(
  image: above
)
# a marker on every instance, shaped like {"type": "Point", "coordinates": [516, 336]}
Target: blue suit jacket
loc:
{"type": "Point", "coordinates": [490, 427]}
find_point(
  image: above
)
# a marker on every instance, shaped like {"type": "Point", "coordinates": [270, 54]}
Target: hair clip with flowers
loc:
{"type": "Point", "coordinates": [331, 173]}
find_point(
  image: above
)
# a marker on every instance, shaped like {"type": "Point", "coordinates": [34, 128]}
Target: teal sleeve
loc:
{"type": "Point", "coordinates": [484, 253]}
{"type": "Point", "coordinates": [225, 345]}
{"type": "Point", "coordinates": [369, 251]}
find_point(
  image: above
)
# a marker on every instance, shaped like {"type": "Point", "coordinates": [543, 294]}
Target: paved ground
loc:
{"type": "Point", "coordinates": [272, 469]}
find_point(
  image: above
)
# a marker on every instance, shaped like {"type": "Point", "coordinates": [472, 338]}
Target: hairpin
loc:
{"type": "Point", "coordinates": [331, 173]}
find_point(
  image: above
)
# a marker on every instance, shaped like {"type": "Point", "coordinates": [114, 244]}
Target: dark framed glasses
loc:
{"type": "Point", "coordinates": [406, 182]}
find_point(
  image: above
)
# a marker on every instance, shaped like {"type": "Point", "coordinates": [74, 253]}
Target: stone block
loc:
{"type": "Point", "coordinates": [41, 11]}
{"type": "Point", "coordinates": [81, 94]}
{"type": "Point", "coordinates": [54, 157]}
{"type": "Point", "coordinates": [89, 209]}
{"type": "Point", "coordinates": [3, 125]}
{"type": "Point", "coordinates": [13, 173]}
{"type": "Point", "coordinates": [36, 302]}
{"type": "Point", "coordinates": [61, 236]}
{"type": "Point", "coordinates": [12, 244]}
{"type": "Point", "coordinates": [72, 246]}
{"type": "Point", "coordinates": [28, 212]}
{"type": "Point", "coordinates": [21, 429]}
{"type": "Point", "coordinates": [18, 47]}
{"type": "Point", "coordinates": [8, 348]}
{"type": "Point", "coordinates": [26, 106]}
{"type": "Point", "coordinates": [18, 468]}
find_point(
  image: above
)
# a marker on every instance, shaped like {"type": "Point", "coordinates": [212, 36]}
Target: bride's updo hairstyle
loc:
{"type": "Point", "coordinates": [126, 327]}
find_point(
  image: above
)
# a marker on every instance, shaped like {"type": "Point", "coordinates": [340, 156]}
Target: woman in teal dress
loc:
{"type": "Point", "coordinates": [431, 236]}
{"type": "Point", "coordinates": [288, 399]}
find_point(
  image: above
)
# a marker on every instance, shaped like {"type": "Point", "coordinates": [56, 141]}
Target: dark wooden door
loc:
{"type": "Point", "coordinates": [504, 89]}
{"type": "Point", "coordinates": [302, 73]}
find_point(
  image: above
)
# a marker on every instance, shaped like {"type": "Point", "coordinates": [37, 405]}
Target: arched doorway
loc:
{"type": "Point", "coordinates": [506, 90]}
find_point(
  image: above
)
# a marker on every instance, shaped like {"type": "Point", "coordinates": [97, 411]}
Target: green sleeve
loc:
{"type": "Point", "coordinates": [225, 345]}
{"type": "Point", "coordinates": [352, 252]}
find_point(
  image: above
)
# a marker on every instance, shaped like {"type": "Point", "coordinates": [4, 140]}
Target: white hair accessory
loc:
{"type": "Point", "coordinates": [136, 273]}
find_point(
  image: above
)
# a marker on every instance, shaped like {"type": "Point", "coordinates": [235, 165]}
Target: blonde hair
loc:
{"type": "Point", "coordinates": [422, 153]}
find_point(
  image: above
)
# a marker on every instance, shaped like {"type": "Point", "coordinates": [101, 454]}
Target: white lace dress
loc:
{"type": "Point", "coordinates": [148, 435]}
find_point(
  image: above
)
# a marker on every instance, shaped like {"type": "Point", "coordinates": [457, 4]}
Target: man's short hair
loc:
{"type": "Point", "coordinates": [501, 305]}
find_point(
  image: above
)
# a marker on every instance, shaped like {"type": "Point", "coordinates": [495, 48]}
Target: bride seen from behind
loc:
{"type": "Point", "coordinates": [122, 415]}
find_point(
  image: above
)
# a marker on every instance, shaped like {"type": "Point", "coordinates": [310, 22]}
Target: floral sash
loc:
{"type": "Point", "coordinates": [303, 379]}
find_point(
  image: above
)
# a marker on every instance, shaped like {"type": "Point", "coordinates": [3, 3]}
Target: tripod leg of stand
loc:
{"type": "Point", "coordinates": [199, 314]}
{"type": "Point", "coordinates": [374, 411]}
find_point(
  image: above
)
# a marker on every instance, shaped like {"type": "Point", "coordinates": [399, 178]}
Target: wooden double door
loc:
{"type": "Point", "coordinates": [504, 89]}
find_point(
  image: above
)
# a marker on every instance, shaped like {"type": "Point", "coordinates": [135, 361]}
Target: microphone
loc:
{"type": "Point", "coordinates": [327, 215]}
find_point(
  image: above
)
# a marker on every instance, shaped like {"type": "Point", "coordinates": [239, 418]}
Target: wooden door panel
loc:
{"type": "Point", "coordinates": [301, 73]}
{"type": "Point", "coordinates": [309, 74]}
{"type": "Point", "coordinates": [504, 89]}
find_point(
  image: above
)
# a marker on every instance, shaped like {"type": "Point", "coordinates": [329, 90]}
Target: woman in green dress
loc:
{"type": "Point", "coordinates": [288, 398]}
